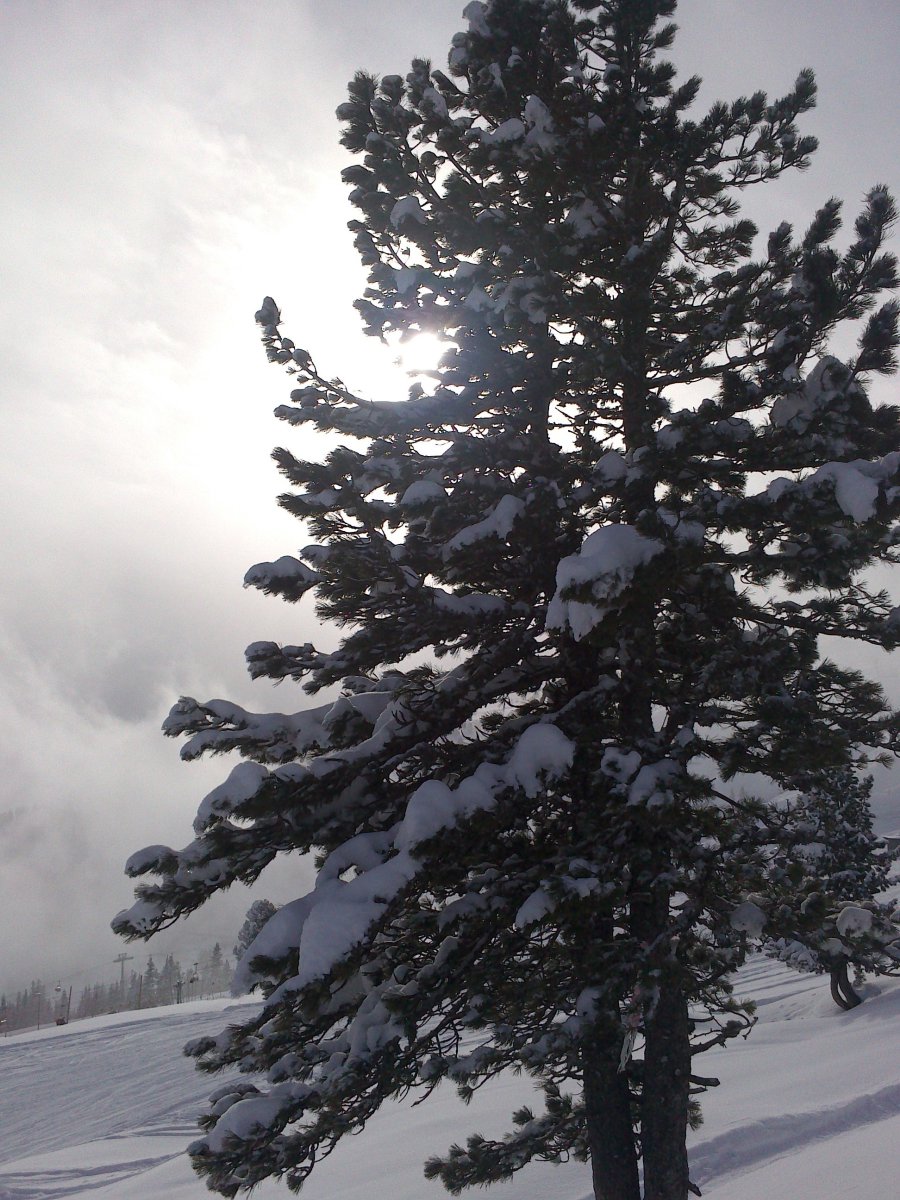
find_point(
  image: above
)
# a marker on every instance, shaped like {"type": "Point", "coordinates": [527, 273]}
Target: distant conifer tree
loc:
{"type": "Point", "coordinates": [150, 995]}
{"type": "Point", "coordinates": [256, 917]}
{"type": "Point", "coordinates": [829, 917]}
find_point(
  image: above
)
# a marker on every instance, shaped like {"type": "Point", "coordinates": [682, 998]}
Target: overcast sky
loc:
{"type": "Point", "coordinates": [162, 167]}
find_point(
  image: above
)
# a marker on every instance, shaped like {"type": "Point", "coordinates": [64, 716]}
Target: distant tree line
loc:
{"type": "Point", "coordinates": [35, 1005]}
{"type": "Point", "coordinates": [173, 982]}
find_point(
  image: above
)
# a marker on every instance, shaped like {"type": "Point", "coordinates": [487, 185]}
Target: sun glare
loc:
{"type": "Point", "coordinates": [420, 353]}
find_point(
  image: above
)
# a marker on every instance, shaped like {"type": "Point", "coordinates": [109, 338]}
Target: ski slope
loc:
{"type": "Point", "coordinates": [809, 1109]}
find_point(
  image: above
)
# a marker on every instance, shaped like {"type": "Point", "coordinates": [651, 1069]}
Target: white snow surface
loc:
{"type": "Point", "coordinates": [607, 559]}
{"type": "Point", "coordinates": [423, 491]}
{"type": "Point", "coordinates": [540, 134]}
{"type": "Point", "coordinates": [507, 131]}
{"type": "Point", "coordinates": [498, 523]}
{"type": "Point", "coordinates": [798, 407]}
{"type": "Point", "coordinates": [855, 484]}
{"type": "Point", "coordinates": [407, 207]}
{"type": "Point", "coordinates": [809, 1108]}
{"type": "Point", "coordinates": [853, 919]}
{"type": "Point", "coordinates": [749, 917]}
{"type": "Point", "coordinates": [542, 751]}
{"type": "Point", "coordinates": [475, 14]}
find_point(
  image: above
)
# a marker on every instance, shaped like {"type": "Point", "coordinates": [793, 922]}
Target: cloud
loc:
{"type": "Point", "coordinates": [160, 176]}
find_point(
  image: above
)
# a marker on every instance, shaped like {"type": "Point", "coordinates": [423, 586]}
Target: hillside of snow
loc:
{"type": "Point", "coordinates": [809, 1108]}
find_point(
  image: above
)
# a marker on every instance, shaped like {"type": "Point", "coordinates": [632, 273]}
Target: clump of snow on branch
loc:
{"type": "Point", "coordinates": [603, 567]}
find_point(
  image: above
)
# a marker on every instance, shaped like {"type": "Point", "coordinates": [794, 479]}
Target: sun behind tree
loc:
{"type": "Point", "coordinates": [575, 606]}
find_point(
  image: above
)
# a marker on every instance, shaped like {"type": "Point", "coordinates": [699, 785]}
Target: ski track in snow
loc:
{"type": "Point", "coordinates": [734, 1152]}
{"type": "Point", "coordinates": [809, 1108]}
{"type": "Point", "coordinates": [80, 1177]}
{"type": "Point", "coordinates": [65, 1090]}
{"type": "Point", "coordinates": [95, 1103]}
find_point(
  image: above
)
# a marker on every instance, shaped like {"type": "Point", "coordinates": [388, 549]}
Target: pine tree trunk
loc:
{"type": "Point", "coordinates": [607, 1102]}
{"type": "Point", "coordinates": [664, 1107]}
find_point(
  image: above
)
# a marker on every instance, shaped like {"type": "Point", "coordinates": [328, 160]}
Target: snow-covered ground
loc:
{"type": "Point", "coordinates": [809, 1109]}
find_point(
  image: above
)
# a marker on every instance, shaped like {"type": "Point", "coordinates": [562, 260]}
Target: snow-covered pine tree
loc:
{"type": "Point", "coordinates": [583, 577]}
{"type": "Point", "coordinates": [215, 972]}
{"type": "Point", "coordinates": [255, 918]}
{"type": "Point", "coordinates": [830, 917]}
{"type": "Point", "coordinates": [151, 984]}
{"type": "Point", "coordinates": [170, 977]}
{"type": "Point", "coordinates": [849, 860]}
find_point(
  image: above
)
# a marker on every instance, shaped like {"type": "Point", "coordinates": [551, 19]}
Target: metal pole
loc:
{"type": "Point", "coordinates": [122, 960]}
